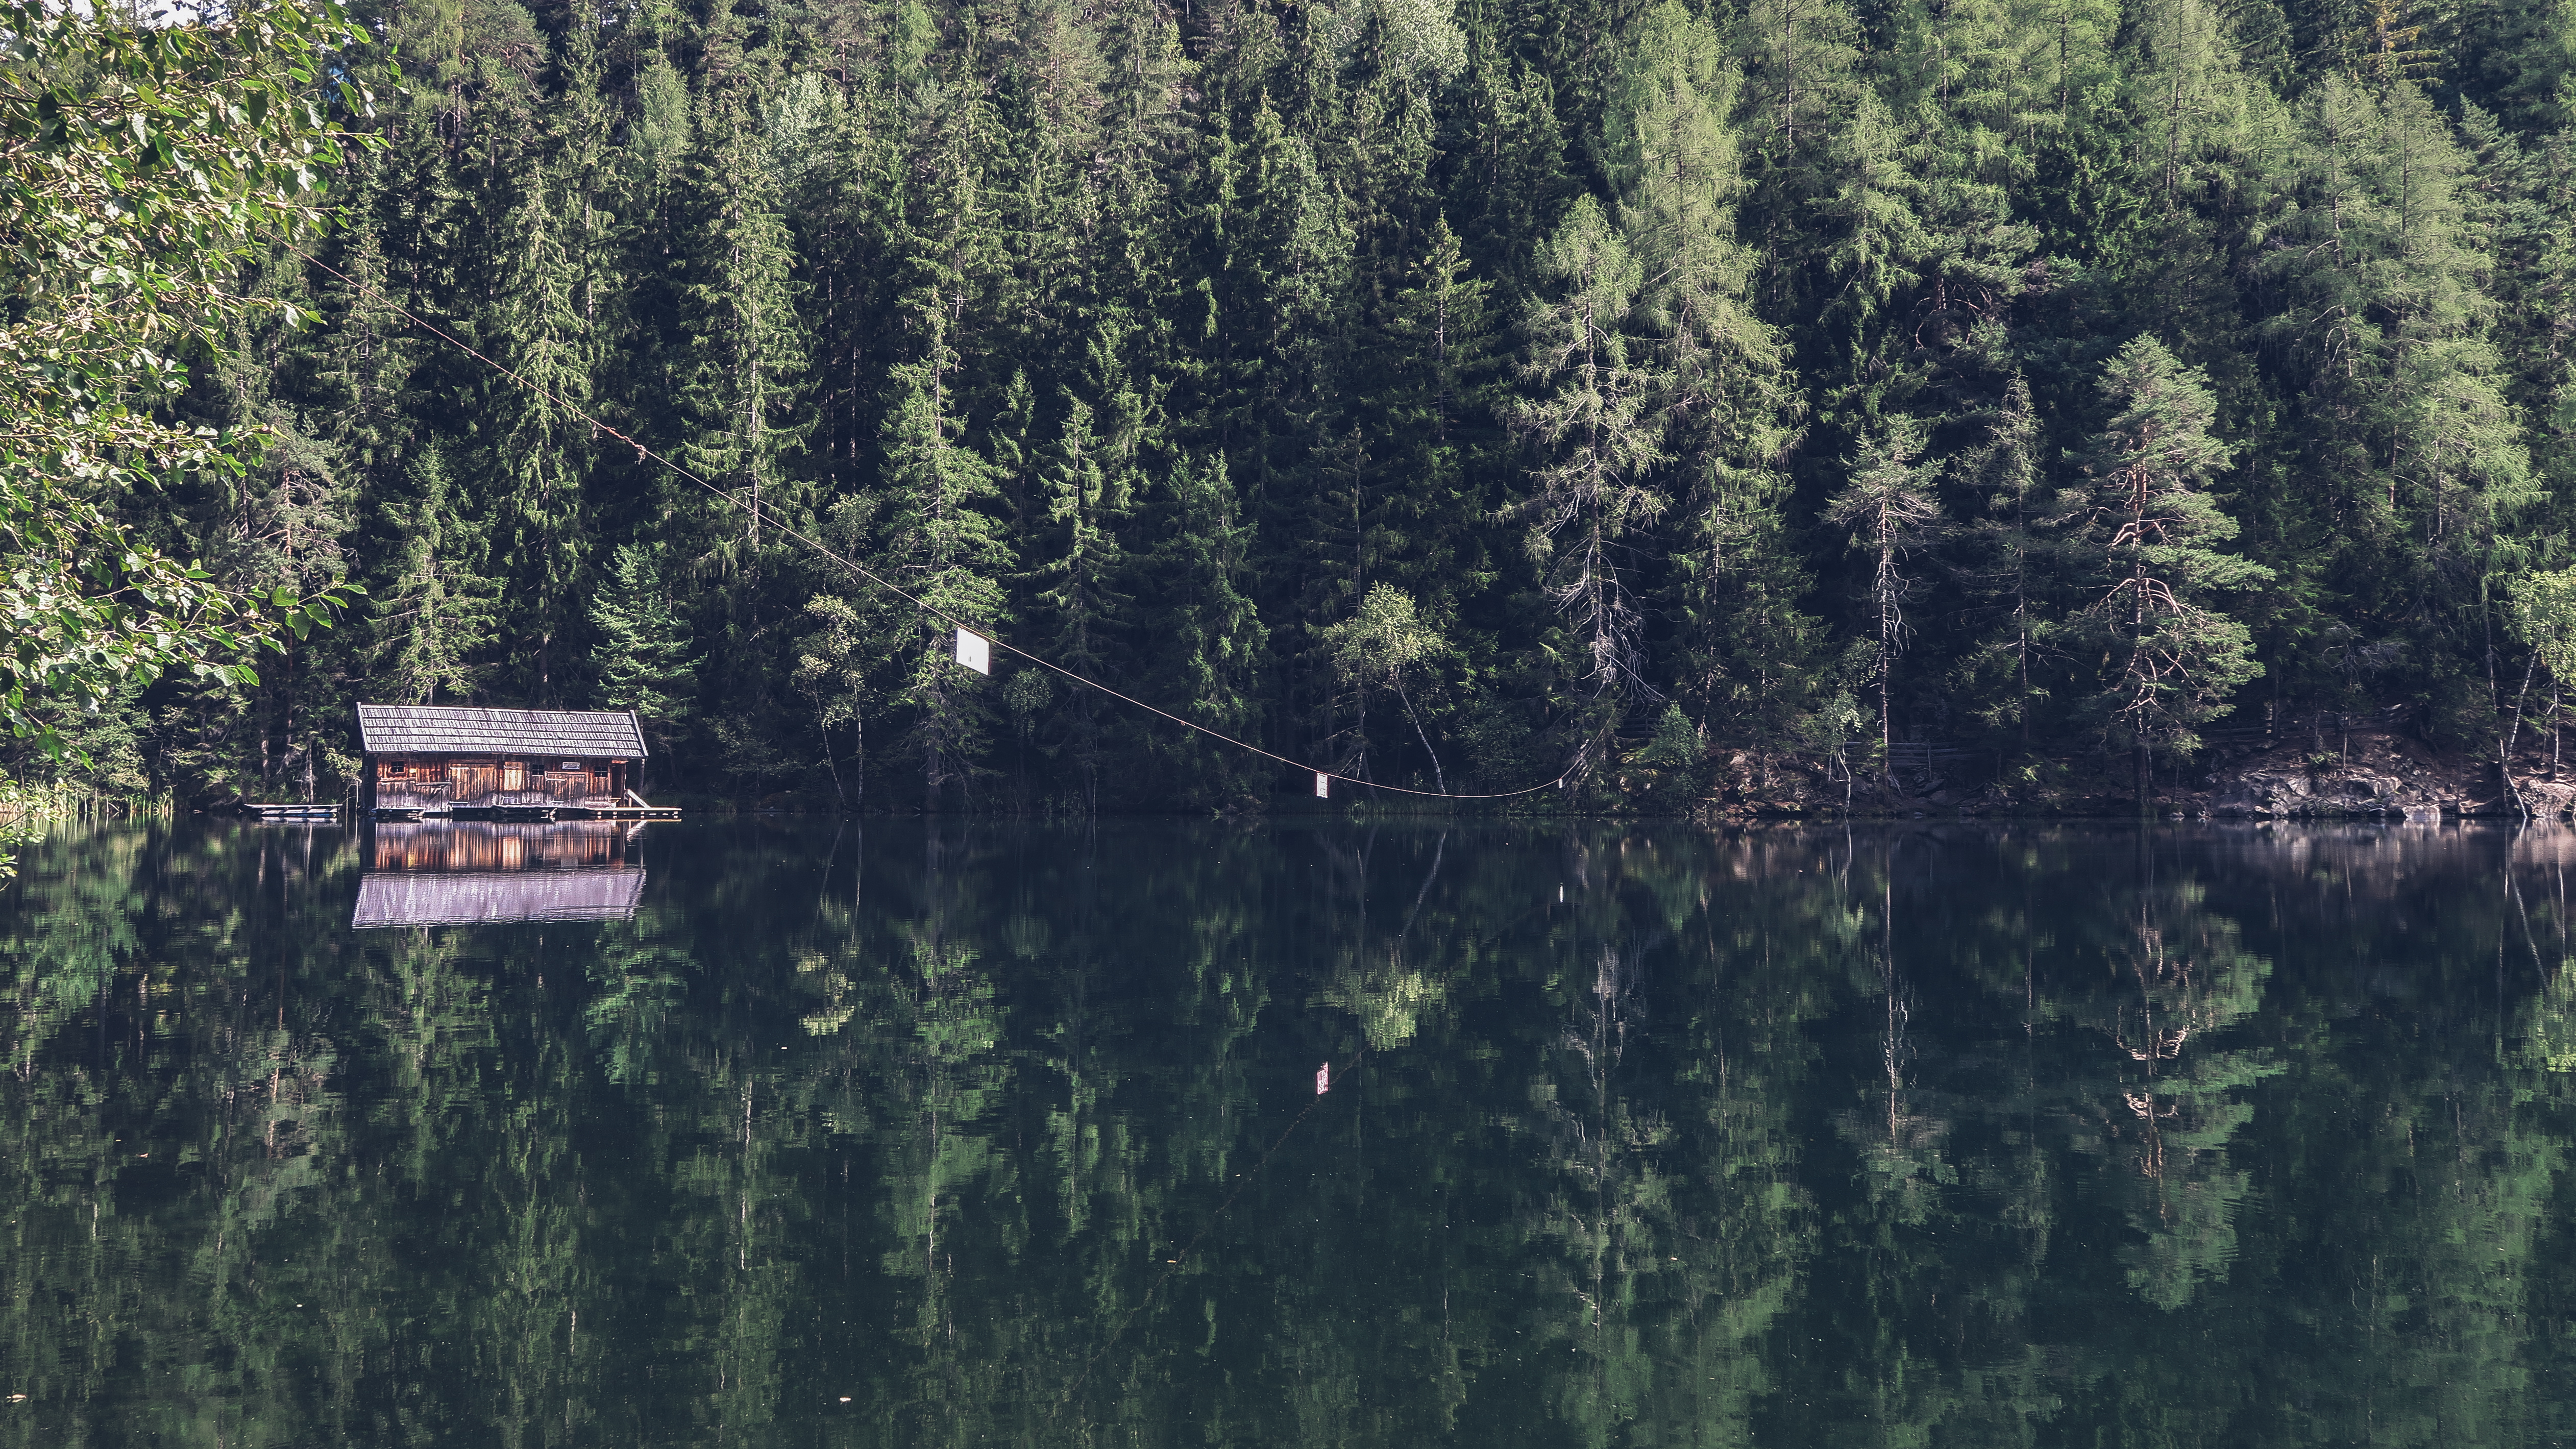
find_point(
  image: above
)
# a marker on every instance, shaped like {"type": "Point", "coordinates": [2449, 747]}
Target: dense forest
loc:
{"type": "Point", "coordinates": [1450, 399]}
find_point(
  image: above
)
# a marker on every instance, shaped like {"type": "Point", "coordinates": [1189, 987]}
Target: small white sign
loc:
{"type": "Point", "coordinates": [975, 651]}
{"type": "Point", "coordinates": [1323, 786]}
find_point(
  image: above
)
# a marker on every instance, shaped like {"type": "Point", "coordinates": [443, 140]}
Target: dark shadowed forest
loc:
{"type": "Point", "coordinates": [1453, 399]}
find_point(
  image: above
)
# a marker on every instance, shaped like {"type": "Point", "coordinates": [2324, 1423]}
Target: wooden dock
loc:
{"type": "Point", "coordinates": [295, 814]}
{"type": "Point", "coordinates": [532, 814]}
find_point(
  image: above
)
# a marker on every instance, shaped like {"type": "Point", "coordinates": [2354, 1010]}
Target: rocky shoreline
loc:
{"type": "Point", "coordinates": [2373, 775]}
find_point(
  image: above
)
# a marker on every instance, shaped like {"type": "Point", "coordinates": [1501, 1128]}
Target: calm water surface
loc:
{"type": "Point", "coordinates": [947, 1134]}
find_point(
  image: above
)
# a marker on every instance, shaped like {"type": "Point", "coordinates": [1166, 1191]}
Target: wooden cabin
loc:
{"type": "Point", "coordinates": [435, 760]}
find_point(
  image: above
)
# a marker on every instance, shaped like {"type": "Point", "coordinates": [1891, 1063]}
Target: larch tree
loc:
{"type": "Point", "coordinates": [1722, 404]}
{"type": "Point", "coordinates": [1593, 493]}
{"type": "Point", "coordinates": [2386, 318]}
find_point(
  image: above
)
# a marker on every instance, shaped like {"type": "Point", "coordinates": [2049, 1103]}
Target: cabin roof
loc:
{"type": "Point", "coordinates": [493, 897]}
{"type": "Point", "coordinates": [420, 729]}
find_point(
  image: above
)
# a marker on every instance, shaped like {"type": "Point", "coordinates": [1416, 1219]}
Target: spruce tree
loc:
{"type": "Point", "coordinates": [1080, 606]}
{"type": "Point", "coordinates": [643, 656]}
{"type": "Point", "coordinates": [542, 326]}
{"type": "Point", "coordinates": [939, 494]}
{"type": "Point", "coordinates": [2013, 561]}
{"type": "Point", "coordinates": [745, 348]}
{"type": "Point", "coordinates": [945, 547]}
{"type": "Point", "coordinates": [1210, 645]}
{"type": "Point", "coordinates": [438, 615]}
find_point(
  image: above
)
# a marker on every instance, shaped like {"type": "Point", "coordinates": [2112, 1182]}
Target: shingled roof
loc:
{"type": "Point", "coordinates": [420, 729]}
{"type": "Point", "coordinates": [491, 898]}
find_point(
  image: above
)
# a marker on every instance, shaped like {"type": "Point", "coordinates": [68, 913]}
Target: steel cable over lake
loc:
{"type": "Point", "coordinates": [752, 509]}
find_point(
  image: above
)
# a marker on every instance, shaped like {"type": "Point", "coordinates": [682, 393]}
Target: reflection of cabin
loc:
{"type": "Point", "coordinates": [436, 760]}
{"type": "Point", "coordinates": [492, 873]}
{"type": "Point", "coordinates": [428, 847]}
{"type": "Point", "coordinates": [499, 897]}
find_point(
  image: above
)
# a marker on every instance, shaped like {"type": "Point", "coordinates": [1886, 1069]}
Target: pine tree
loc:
{"type": "Point", "coordinates": [2171, 657]}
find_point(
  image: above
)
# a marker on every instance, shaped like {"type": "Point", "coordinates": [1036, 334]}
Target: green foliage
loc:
{"type": "Point", "coordinates": [643, 656]}
{"type": "Point", "coordinates": [2544, 609]}
{"type": "Point", "coordinates": [437, 622]}
{"type": "Point", "coordinates": [2170, 658]}
{"type": "Point", "coordinates": [141, 167]}
{"type": "Point", "coordinates": [1156, 340]}
{"type": "Point", "coordinates": [1379, 645]}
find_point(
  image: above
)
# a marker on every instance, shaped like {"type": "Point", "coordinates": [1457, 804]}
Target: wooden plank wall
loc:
{"type": "Point", "coordinates": [478, 784]}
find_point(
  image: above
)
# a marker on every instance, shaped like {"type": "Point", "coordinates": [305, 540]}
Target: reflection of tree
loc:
{"type": "Point", "coordinates": [2170, 1102]}
{"type": "Point", "coordinates": [1386, 996]}
{"type": "Point", "coordinates": [1672, 1226]}
{"type": "Point", "coordinates": [1898, 1139]}
{"type": "Point", "coordinates": [173, 1129]}
{"type": "Point", "coordinates": [1901, 1132]}
{"type": "Point", "coordinates": [979, 1140]}
{"type": "Point", "coordinates": [2550, 1037]}
{"type": "Point", "coordinates": [1606, 1215]}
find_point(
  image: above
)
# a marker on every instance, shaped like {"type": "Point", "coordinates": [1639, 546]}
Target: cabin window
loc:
{"type": "Point", "coordinates": [392, 769]}
{"type": "Point", "coordinates": [573, 767]}
{"type": "Point", "coordinates": [514, 774]}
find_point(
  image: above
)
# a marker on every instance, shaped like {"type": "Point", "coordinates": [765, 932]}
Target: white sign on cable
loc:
{"type": "Point", "coordinates": [1323, 786]}
{"type": "Point", "coordinates": [975, 651]}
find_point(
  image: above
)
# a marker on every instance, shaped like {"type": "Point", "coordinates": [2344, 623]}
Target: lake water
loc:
{"type": "Point", "coordinates": [927, 1134]}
